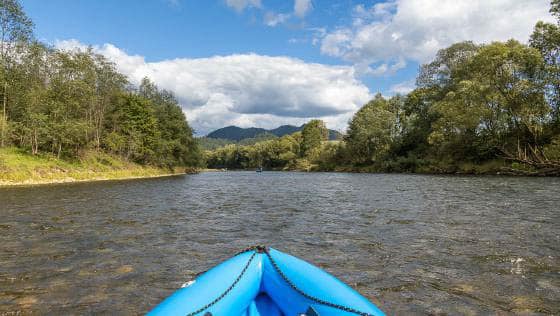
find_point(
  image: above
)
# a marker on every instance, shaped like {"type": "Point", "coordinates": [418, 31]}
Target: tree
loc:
{"type": "Point", "coordinates": [71, 95]}
{"type": "Point", "coordinates": [109, 83]}
{"type": "Point", "coordinates": [494, 104]}
{"type": "Point", "coordinates": [176, 145]}
{"type": "Point", "coordinates": [546, 39]}
{"type": "Point", "coordinates": [134, 120]}
{"type": "Point", "coordinates": [555, 9]}
{"type": "Point", "coordinates": [446, 66]}
{"type": "Point", "coordinates": [15, 29]}
{"type": "Point", "coordinates": [29, 118]}
{"type": "Point", "coordinates": [416, 120]}
{"type": "Point", "coordinates": [371, 131]}
{"type": "Point", "coordinates": [313, 133]}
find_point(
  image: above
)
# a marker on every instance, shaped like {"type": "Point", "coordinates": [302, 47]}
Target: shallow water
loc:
{"type": "Point", "coordinates": [413, 244]}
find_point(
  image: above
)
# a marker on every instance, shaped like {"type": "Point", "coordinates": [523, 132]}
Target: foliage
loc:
{"type": "Point", "coordinates": [15, 31]}
{"type": "Point", "coordinates": [313, 133]}
{"type": "Point", "coordinates": [68, 102]}
{"type": "Point", "coordinates": [372, 130]}
{"type": "Point", "coordinates": [546, 39]}
{"type": "Point", "coordinates": [494, 102]}
{"type": "Point", "coordinates": [207, 143]}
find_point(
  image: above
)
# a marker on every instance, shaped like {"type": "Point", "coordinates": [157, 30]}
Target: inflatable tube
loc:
{"type": "Point", "coordinates": [264, 281]}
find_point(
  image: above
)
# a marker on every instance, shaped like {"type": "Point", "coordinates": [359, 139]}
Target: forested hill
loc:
{"type": "Point", "coordinates": [68, 103]}
{"type": "Point", "coordinates": [237, 134]}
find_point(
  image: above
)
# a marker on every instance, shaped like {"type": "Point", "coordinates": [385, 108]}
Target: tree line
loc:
{"type": "Point", "coordinates": [475, 108]}
{"type": "Point", "coordinates": [69, 102]}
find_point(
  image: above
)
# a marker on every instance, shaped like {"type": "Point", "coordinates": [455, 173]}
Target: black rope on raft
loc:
{"type": "Point", "coordinates": [227, 291]}
{"type": "Point", "coordinates": [263, 249]}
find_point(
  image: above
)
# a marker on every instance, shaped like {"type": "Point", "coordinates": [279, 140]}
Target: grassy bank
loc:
{"type": "Point", "coordinates": [19, 167]}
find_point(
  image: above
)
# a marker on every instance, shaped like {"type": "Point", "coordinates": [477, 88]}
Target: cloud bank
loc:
{"type": "Point", "coordinates": [389, 33]}
{"type": "Point", "coordinates": [247, 89]}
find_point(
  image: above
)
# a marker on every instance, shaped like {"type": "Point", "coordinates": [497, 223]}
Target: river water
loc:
{"type": "Point", "coordinates": [413, 244]}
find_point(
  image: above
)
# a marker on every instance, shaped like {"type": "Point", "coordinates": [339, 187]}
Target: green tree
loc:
{"type": "Point", "coordinates": [109, 83]}
{"type": "Point", "coordinates": [555, 9]}
{"type": "Point", "coordinates": [440, 73]}
{"type": "Point", "coordinates": [133, 120]}
{"type": "Point", "coordinates": [546, 39]}
{"type": "Point", "coordinates": [176, 146]}
{"type": "Point", "coordinates": [313, 133]}
{"type": "Point", "coordinates": [15, 29]}
{"type": "Point", "coordinates": [498, 101]}
{"type": "Point", "coordinates": [371, 131]}
{"type": "Point", "coordinates": [71, 93]}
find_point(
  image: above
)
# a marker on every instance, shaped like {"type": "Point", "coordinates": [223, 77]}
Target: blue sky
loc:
{"type": "Point", "coordinates": [163, 29]}
{"type": "Point", "coordinates": [265, 63]}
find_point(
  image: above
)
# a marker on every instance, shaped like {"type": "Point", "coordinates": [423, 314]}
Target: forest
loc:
{"type": "Point", "coordinates": [492, 108]}
{"type": "Point", "coordinates": [69, 103]}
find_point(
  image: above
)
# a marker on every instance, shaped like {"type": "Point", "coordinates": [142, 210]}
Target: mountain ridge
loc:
{"type": "Point", "coordinates": [236, 133]}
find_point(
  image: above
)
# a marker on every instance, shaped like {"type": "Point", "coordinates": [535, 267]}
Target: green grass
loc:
{"type": "Point", "coordinates": [20, 167]}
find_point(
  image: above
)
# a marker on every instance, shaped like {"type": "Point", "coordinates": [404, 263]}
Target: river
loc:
{"type": "Point", "coordinates": [413, 244]}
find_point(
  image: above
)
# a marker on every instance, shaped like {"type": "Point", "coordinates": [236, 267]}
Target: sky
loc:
{"type": "Point", "coordinates": [265, 63]}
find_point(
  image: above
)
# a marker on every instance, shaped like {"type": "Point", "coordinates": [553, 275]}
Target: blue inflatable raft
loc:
{"type": "Point", "coordinates": [263, 281]}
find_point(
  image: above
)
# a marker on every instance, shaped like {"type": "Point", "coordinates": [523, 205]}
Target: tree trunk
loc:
{"type": "Point", "coordinates": [97, 134]}
{"type": "Point", "coordinates": [4, 117]}
{"type": "Point", "coordinates": [34, 143]}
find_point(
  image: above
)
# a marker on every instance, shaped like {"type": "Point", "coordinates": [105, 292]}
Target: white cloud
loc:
{"type": "Point", "coordinates": [247, 89]}
{"type": "Point", "coordinates": [240, 5]}
{"type": "Point", "coordinates": [302, 7]}
{"type": "Point", "coordinates": [403, 87]}
{"type": "Point", "coordinates": [272, 19]}
{"type": "Point", "coordinates": [391, 31]}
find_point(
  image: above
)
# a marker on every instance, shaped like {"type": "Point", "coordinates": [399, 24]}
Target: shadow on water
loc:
{"type": "Point", "coordinates": [411, 243]}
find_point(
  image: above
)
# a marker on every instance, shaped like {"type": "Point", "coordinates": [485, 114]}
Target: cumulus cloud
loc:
{"type": "Point", "coordinates": [247, 89]}
{"type": "Point", "coordinates": [302, 7]}
{"type": "Point", "coordinates": [394, 31]}
{"type": "Point", "coordinates": [240, 5]}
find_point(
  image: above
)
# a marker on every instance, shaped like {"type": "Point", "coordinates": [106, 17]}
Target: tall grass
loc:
{"type": "Point", "coordinates": [20, 167]}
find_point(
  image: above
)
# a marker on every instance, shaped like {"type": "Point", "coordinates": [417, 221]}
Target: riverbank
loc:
{"type": "Point", "coordinates": [20, 168]}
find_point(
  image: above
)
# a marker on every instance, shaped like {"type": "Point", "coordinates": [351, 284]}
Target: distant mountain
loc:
{"type": "Point", "coordinates": [285, 130]}
{"type": "Point", "coordinates": [237, 134]}
{"type": "Point", "coordinates": [334, 135]}
{"type": "Point", "coordinates": [207, 143]}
